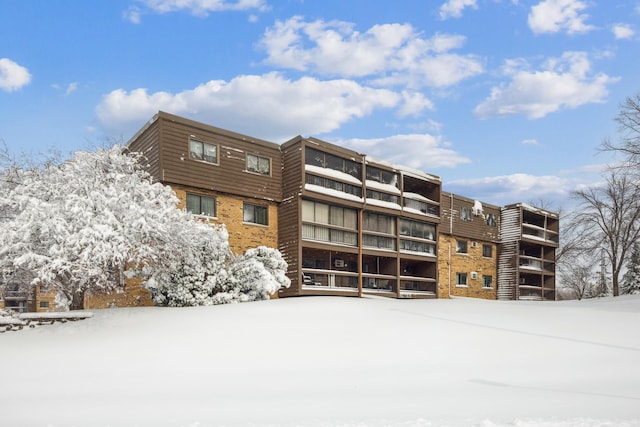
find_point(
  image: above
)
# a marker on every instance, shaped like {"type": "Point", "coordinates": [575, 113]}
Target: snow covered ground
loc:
{"type": "Point", "coordinates": [328, 361]}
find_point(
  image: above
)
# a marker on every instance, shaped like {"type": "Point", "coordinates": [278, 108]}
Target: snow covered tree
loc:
{"type": "Point", "coordinates": [87, 223]}
{"type": "Point", "coordinates": [631, 278]}
{"type": "Point", "coordinates": [74, 227]}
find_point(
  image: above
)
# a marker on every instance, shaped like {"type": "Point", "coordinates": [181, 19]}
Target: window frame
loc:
{"type": "Point", "coordinates": [459, 276]}
{"type": "Point", "coordinates": [254, 214]}
{"type": "Point", "coordinates": [462, 244]}
{"type": "Point", "coordinates": [491, 220]}
{"type": "Point", "coordinates": [466, 213]}
{"type": "Point", "coordinates": [258, 158]}
{"type": "Point", "coordinates": [490, 250]}
{"type": "Point", "coordinates": [484, 278]}
{"type": "Point", "coordinates": [200, 197]}
{"type": "Point", "coordinates": [204, 144]}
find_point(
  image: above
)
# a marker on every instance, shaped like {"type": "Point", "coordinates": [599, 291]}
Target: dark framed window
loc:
{"type": "Point", "coordinates": [382, 176]}
{"type": "Point", "coordinates": [255, 214]}
{"type": "Point", "coordinates": [487, 251]}
{"type": "Point", "coordinates": [420, 230]}
{"type": "Point", "coordinates": [333, 184]}
{"type": "Point", "coordinates": [487, 281]}
{"type": "Point", "coordinates": [326, 160]}
{"type": "Point", "coordinates": [204, 151]}
{"type": "Point", "coordinates": [465, 213]}
{"type": "Point", "coordinates": [461, 279]}
{"type": "Point", "coordinates": [462, 246]}
{"type": "Point", "coordinates": [44, 304]}
{"type": "Point", "coordinates": [258, 164]}
{"type": "Point", "coordinates": [491, 220]}
{"type": "Point", "coordinates": [385, 197]}
{"type": "Point", "coordinates": [201, 205]}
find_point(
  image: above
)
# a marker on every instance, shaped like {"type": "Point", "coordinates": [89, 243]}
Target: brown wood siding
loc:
{"type": "Point", "coordinates": [289, 216]}
{"type": "Point", "coordinates": [229, 175]}
{"type": "Point", "coordinates": [476, 229]}
{"type": "Point", "coordinates": [508, 253]}
{"type": "Point", "coordinates": [147, 143]}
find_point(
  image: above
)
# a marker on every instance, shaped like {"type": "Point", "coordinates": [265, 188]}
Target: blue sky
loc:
{"type": "Point", "coordinates": [506, 100]}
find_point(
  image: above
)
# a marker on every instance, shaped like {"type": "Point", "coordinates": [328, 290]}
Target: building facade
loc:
{"type": "Point", "coordinates": [346, 223]}
{"type": "Point", "coordinates": [527, 261]}
{"type": "Point", "coordinates": [468, 245]}
{"type": "Point", "coordinates": [352, 225]}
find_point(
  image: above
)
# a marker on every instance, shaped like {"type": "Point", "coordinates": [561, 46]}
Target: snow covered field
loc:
{"type": "Point", "coordinates": [320, 361]}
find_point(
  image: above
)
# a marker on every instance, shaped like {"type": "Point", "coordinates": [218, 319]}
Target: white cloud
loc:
{"type": "Point", "coordinates": [71, 88]}
{"type": "Point", "coordinates": [623, 31]}
{"type": "Point", "coordinates": [132, 14]}
{"type": "Point", "coordinates": [195, 7]}
{"type": "Point", "coordinates": [265, 106]}
{"type": "Point", "coordinates": [552, 16]}
{"type": "Point", "coordinates": [515, 188]}
{"type": "Point", "coordinates": [564, 82]}
{"type": "Point", "coordinates": [413, 104]}
{"type": "Point", "coordinates": [418, 151]}
{"type": "Point", "coordinates": [530, 142]}
{"type": "Point", "coordinates": [389, 54]}
{"type": "Point", "coordinates": [12, 75]}
{"type": "Point", "coordinates": [454, 8]}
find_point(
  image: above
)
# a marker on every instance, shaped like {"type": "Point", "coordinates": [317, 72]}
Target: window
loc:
{"type": "Point", "coordinates": [461, 247]}
{"type": "Point", "coordinates": [415, 246]}
{"type": "Point", "coordinates": [491, 220]}
{"type": "Point", "coordinates": [378, 242]}
{"type": "Point", "coordinates": [385, 197]}
{"type": "Point", "coordinates": [203, 151]}
{"type": "Point", "coordinates": [338, 219]}
{"type": "Point", "coordinates": [255, 214]}
{"type": "Point", "coordinates": [382, 176]}
{"type": "Point", "coordinates": [425, 208]}
{"type": "Point", "coordinates": [465, 213]}
{"type": "Point", "coordinates": [487, 281]}
{"type": "Point", "coordinates": [461, 279]}
{"type": "Point", "coordinates": [44, 304]}
{"type": "Point", "coordinates": [487, 251]}
{"type": "Point", "coordinates": [379, 223]}
{"type": "Point", "coordinates": [201, 205]}
{"type": "Point", "coordinates": [333, 185]}
{"type": "Point", "coordinates": [421, 230]}
{"type": "Point", "coordinates": [325, 160]}
{"type": "Point", "coordinates": [257, 164]}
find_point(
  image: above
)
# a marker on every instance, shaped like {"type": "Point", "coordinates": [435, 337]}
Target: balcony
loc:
{"type": "Point", "coordinates": [16, 295]}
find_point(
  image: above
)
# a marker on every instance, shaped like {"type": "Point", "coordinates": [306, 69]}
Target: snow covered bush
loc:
{"type": "Point", "coordinates": [212, 275]}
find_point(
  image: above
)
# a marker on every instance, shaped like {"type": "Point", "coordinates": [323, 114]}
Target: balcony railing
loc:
{"type": "Point", "coordinates": [16, 295]}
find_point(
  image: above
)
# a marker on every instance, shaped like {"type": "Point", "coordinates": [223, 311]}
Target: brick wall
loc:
{"type": "Point", "coordinates": [44, 301]}
{"type": "Point", "coordinates": [229, 211]}
{"type": "Point", "coordinates": [450, 263]}
{"type": "Point", "coordinates": [133, 295]}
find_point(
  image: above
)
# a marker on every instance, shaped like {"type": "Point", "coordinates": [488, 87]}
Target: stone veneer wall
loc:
{"type": "Point", "coordinates": [133, 295]}
{"type": "Point", "coordinates": [229, 211]}
{"type": "Point", "coordinates": [450, 263]}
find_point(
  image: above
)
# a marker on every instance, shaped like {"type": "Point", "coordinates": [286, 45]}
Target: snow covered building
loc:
{"type": "Point", "coordinates": [350, 224]}
{"type": "Point", "coordinates": [468, 244]}
{"type": "Point", "coordinates": [529, 238]}
{"type": "Point", "coordinates": [353, 225]}
{"type": "Point", "coordinates": [224, 177]}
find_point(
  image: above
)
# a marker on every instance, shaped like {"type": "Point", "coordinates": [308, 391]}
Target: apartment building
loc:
{"type": "Point", "coordinates": [346, 223]}
{"type": "Point", "coordinates": [221, 176]}
{"type": "Point", "coordinates": [353, 225]}
{"type": "Point", "coordinates": [529, 238]}
{"type": "Point", "coordinates": [468, 245]}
